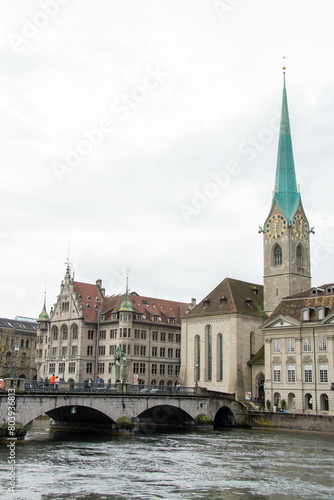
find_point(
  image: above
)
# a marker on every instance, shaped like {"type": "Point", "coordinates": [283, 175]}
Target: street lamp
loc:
{"type": "Point", "coordinates": [196, 367]}
{"type": "Point", "coordinates": [17, 348]}
{"type": "Point", "coordinates": [64, 360]}
{"type": "Point", "coordinates": [124, 369]}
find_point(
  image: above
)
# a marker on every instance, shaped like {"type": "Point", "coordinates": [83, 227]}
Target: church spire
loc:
{"type": "Point", "coordinates": [286, 192]}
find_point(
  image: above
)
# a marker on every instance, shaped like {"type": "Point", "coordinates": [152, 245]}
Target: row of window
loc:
{"type": "Point", "coordinates": [138, 350]}
{"type": "Point", "coordinates": [138, 368]}
{"type": "Point", "coordinates": [123, 332]}
{"type": "Point", "coordinates": [209, 353]}
{"type": "Point", "coordinates": [308, 377]}
{"type": "Point", "coordinates": [306, 345]}
{"type": "Point", "coordinates": [278, 256]}
{"type": "Point", "coordinates": [63, 333]}
{"type": "Point", "coordinates": [61, 368]}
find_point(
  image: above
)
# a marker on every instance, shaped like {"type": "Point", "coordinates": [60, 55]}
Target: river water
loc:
{"type": "Point", "coordinates": [204, 465]}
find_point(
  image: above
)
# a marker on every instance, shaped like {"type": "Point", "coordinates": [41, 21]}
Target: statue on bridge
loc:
{"type": "Point", "coordinates": [120, 360]}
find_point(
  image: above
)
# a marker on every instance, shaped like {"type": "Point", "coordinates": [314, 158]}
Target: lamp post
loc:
{"type": "Point", "coordinates": [196, 367]}
{"type": "Point", "coordinates": [17, 348]}
{"type": "Point", "coordinates": [64, 360]}
{"type": "Point", "coordinates": [124, 369]}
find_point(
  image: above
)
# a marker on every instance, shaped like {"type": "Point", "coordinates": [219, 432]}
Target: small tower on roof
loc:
{"type": "Point", "coordinates": [126, 304]}
{"type": "Point", "coordinates": [43, 318]}
{"type": "Point", "coordinates": [287, 268]}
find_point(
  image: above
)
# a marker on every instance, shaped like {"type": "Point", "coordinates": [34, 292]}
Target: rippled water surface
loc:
{"type": "Point", "coordinates": [194, 465]}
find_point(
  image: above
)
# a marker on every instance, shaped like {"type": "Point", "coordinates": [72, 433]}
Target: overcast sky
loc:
{"type": "Point", "coordinates": [145, 132]}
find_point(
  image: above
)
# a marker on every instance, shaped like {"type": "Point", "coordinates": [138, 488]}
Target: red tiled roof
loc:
{"type": "Point", "coordinates": [85, 290]}
{"type": "Point", "coordinates": [165, 309]}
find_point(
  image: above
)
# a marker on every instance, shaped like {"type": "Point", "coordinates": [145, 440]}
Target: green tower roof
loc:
{"type": "Point", "coordinates": [44, 315]}
{"type": "Point", "coordinates": [286, 192]}
{"type": "Point", "coordinates": [126, 304]}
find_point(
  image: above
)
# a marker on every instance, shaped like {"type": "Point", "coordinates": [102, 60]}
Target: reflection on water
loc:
{"type": "Point", "coordinates": [204, 465]}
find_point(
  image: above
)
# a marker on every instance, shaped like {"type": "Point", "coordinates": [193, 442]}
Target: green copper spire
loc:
{"type": "Point", "coordinates": [126, 304]}
{"type": "Point", "coordinates": [286, 192]}
{"type": "Point", "coordinates": [44, 315]}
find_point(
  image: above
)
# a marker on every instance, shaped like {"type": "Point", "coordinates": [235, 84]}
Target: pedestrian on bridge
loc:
{"type": "Point", "coordinates": [52, 382]}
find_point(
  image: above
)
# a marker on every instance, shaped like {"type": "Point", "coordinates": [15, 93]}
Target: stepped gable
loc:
{"type": "Point", "coordinates": [229, 297]}
{"type": "Point", "coordinates": [90, 299]}
{"type": "Point", "coordinates": [292, 306]}
{"type": "Point", "coordinates": [146, 306]}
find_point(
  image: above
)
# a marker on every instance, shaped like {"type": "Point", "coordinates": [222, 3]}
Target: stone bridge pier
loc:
{"type": "Point", "coordinates": [100, 412]}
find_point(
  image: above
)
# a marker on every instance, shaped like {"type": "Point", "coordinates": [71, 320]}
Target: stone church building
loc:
{"type": "Point", "coordinates": [272, 343]}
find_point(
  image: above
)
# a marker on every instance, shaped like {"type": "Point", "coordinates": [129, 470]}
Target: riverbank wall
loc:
{"type": "Point", "coordinates": [296, 421]}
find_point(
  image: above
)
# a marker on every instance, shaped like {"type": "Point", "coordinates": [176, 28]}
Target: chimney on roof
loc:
{"type": "Point", "coordinates": [99, 283]}
{"type": "Point", "coordinates": [192, 304]}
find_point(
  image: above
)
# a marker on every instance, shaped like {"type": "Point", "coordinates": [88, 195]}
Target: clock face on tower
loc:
{"type": "Point", "coordinates": [300, 227]}
{"type": "Point", "coordinates": [276, 226]}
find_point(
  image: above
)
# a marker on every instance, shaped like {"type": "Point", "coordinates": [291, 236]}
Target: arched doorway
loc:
{"type": "Point", "coordinates": [324, 405]}
{"type": "Point", "coordinates": [260, 387]}
{"type": "Point", "coordinates": [308, 402]}
{"type": "Point", "coordinates": [277, 399]}
{"type": "Point", "coordinates": [291, 401]}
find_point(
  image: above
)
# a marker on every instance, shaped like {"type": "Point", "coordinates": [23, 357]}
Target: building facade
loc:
{"type": "Point", "coordinates": [220, 335]}
{"type": "Point", "coordinates": [299, 352]}
{"type": "Point", "coordinates": [87, 330]}
{"type": "Point", "coordinates": [17, 348]}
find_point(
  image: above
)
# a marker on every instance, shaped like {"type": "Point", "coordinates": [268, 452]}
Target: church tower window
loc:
{"type": "Point", "coordinates": [277, 256]}
{"type": "Point", "coordinates": [299, 256]}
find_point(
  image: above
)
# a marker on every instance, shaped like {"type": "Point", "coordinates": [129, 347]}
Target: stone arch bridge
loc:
{"type": "Point", "coordinates": [100, 411]}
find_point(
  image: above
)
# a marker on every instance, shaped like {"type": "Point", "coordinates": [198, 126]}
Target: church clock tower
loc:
{"type": "Point", "coordinates": [287, 269]}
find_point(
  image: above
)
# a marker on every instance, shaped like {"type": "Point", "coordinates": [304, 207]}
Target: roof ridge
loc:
{"type": "Point", "coordinates": [229, 287]}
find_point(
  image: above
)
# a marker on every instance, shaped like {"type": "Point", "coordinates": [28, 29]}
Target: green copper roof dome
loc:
{"type": "Point", "coordinates": [126, 304]}
{"type": "Point", "coordinates": [44, 315]}
{"type": "Point", "coordinates": [286, 192]}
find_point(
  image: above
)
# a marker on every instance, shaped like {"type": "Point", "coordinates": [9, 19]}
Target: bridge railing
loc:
{"type": "Point", "coordinates": [161, 389]}
{"type": "Point", "coordinates": [45, 386]}
{"type": "Point", "coordinates": [117, 388]}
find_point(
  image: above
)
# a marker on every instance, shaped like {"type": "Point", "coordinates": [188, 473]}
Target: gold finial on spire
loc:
{"type": "Point", "coordinates": [284, 67]}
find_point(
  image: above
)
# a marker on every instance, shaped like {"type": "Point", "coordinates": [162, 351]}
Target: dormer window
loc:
{"type": "Point", "coordinates": [255, 290]}
{"type": "Point", "coordinates": [322, 312]}
{"type": "Point", "coordinates": [206, 302]}
{"type": "Point", "coordinates": [97, 299]}
{"type": "Point", "coordinates": [95, 307]}
{"type": "Point", "coordinates": [79, 296]}
{"type": "Point", "coordinates": [88, 306]}
{"type": "Point", "coordinates": [249, 302]}
{"type": "Point", "coordinates": [222, 300]}
{"type": "Point", "coordinates": [88, 297]}
{"type": "Point", "coordinates": [306, 313]}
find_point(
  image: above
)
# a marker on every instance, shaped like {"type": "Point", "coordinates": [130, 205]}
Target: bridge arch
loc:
{"type": "Point", "coordinates": [224, 418]}
{"type": "Point", "coordinates": [80, 418]}
{"type": "Point", "coordinates": [165, 415]}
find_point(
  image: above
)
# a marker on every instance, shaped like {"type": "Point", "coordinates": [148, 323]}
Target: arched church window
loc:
{"type": "Point", "coordinates": [208, 339]}
{"type": "Point", "coordinates": [277, 256]}
{"type": "Point", "coordinates": [299, 256]}
{"type": "Point", "coordinates": [197, 350]}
